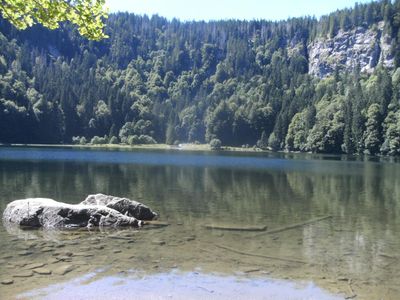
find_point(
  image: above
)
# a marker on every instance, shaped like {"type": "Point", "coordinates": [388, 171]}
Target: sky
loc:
{"type": "Point", "coordinates": [187, 10]}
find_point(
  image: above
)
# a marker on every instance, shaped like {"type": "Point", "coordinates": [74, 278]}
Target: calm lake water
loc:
{"type": "Point", "coordinates": [353, 253]}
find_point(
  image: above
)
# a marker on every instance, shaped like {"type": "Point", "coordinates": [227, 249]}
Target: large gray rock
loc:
{"type": "Point", "coordinates": [123, 205]}
{"type": "Point", "coordinates": [42, 212]}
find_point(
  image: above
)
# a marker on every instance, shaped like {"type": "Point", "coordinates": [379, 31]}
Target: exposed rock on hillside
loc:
{"type": "Point", "coordinates": [364, 47]}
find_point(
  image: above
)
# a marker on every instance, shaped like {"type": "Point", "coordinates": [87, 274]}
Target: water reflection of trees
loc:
{"type": "Point", "coordinates": [362, 196]}
{"type": "Point", "coordinates": [226, 193]}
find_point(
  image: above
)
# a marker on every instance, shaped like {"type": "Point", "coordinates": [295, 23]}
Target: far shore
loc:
{"type": "Point", "coordinates": [180, 147]}
{"type": "Point", "coordinates": [192, 147]}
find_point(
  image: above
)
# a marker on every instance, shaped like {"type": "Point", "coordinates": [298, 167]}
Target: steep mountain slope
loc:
{"type": "Point", "coordinates": [328, 85]}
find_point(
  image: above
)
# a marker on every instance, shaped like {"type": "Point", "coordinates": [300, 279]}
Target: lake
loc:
{"type": "Point", "coordinates": [350, 249]}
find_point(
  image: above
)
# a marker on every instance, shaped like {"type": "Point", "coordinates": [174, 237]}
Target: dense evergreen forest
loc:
{"type": "Point", "coordinates": [160, 81]}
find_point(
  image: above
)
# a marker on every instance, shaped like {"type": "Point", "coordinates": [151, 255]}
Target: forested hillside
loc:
{"type": "Point", "coordinates": [243, 82]}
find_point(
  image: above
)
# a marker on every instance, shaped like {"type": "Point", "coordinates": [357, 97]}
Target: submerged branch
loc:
{"type": "Point", "coordinates": [235, 228]}
{"type": "Point", "coordinates": [352, 294]}
{"type": "Point", "coordinates": [156, 223]}
{"type": "Point", "coordinates": [293, 226]}
{"type": "Point", "coordinates": [261, 255]}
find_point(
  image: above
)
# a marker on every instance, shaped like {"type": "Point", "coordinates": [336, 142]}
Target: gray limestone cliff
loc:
{"type": "Point", "coordinates": [366, 47]}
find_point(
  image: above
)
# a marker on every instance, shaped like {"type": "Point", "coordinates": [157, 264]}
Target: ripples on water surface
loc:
{"type": "Point", "coordinates": [353, 253]}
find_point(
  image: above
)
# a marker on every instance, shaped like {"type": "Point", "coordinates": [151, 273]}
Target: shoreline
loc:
{"type": "Point", "coordinates": [190, 147]}
{"type": "Point", "coordinates": [180, 147]}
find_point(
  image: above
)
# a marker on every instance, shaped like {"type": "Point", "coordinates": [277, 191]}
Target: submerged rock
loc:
{"type": "Point", "coordinates": [42, 271]}
{"type": "Point", "coordinates": [34, 266]}
{"type": "Point", "coordinates": [96, 210]}
{"type": "Point", "coordinates": [7, 281]}
{"type": "Point", "coordinates": [125, 206]}
{"type": "Point", "coordinates": [158, 242]}
{"type": "Point", "coordinates": [24, 274]}
{"type": "Point", "coordinates": [47, 249]}
{"type": "Point", "coordinates": [64, 269]}
{"type": "Point", "coordinates": [24, 253]}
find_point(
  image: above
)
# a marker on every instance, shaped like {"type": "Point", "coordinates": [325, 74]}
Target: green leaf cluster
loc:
{"type": "Point", "coordinates": [87, 15]}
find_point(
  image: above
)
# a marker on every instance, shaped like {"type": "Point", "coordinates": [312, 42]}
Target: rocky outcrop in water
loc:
{"type": "Point", "coordinates": [48, 213]}
{"type": "Point", "coordinates": [363, 47]}
{"type": "Point", "coordinates": [125, 206]}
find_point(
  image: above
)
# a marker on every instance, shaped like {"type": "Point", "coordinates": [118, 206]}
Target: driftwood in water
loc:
{"type": "Point", "coordinates": [352, 294]}
{"type": "Point", "coordinates": [235, 228]}
{"type": "Point", "coordinates": [293, 226]}
{"type": "Point", "coordinates": [156, 223]}
{"type": "Point", "coordinates": [261, 255]}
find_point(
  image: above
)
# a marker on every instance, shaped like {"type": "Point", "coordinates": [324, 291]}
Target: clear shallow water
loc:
{"type": "Point", "coordinates": [354, 252]}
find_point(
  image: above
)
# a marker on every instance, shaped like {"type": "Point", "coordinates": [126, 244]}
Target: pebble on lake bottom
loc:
{"type": "Point", "coordinates": [42, 271]}
{"type": "Point", "coordinates": [157, 242]}
{"type": "Point", "coordinates": [64, 270]}
{"type": "Point", "coordinates": [83, 254]}
{"type": "Point", "coordinates": [34, 266]}
{"type": "Point", "coordinates": [63, 253]}
{"type": "Point", "coordinates": [6, 257]}
{"type": "Point", "coordinates": [7, 281]}
{"type": "Point", "coordinates": [24, 274]}
{"type": "Point", "coordinates": [47, 249]}
{"type": "Point", "coordinates": [64, 258]}
{"type": "Point", "coordinates": [24, 253]}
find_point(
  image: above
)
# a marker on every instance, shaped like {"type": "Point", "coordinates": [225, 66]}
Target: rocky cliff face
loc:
{"type": "Point", "coordinates": [364, 47]}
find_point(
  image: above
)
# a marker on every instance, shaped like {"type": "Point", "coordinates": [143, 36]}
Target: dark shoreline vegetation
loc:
{"type": "Point", "coordinates": [240, 83]}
